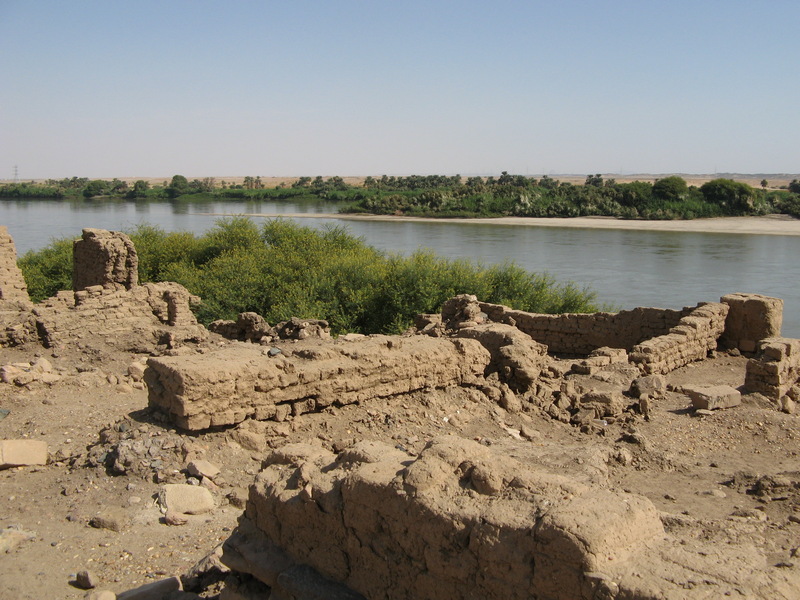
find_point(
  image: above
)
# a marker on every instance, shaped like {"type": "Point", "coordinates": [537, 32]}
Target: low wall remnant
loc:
{"type": "Point", "coordinates": [694, 336]}
{"type": "Point", "coordinates": [580, 333]}
{"type": "Point", "coordinates": [229, 385]}
{"type": "Point", "coordinates": [775, 370]}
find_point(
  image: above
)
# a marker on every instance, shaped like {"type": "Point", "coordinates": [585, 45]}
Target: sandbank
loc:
{"type": "Point", "coordinates": [763, 225]}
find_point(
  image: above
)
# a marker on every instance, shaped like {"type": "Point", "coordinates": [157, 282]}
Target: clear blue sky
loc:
{"type": "Point", "coordinates": [344, 87]}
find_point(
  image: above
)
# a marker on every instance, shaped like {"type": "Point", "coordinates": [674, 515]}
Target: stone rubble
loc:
{"type": "Point", "coordinates": [713, 397]}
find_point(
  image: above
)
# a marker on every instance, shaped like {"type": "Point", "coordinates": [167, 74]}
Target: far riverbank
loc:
{"type": "Point", "coordinates": [764, 225]}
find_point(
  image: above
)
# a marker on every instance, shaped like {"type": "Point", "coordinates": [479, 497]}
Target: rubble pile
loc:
{"type": "Point", "coordinates": [252, 327]}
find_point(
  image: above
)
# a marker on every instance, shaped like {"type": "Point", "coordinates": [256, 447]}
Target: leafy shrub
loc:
{"type": "Point", "coordinates": [283, 270]}
{"type": "Point", "coordinates": [48, 270]}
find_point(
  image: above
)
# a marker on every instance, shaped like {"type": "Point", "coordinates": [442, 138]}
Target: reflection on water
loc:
{"type": "Point", "coordinates": [626, 268]}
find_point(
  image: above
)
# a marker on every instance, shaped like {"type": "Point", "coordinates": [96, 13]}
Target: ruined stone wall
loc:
{"type": "Point", "coordinates": [694, 336]}
{"type": "Point", "coordinates": [775, 370]}
{"type": "Point", "coordinates": [123, 317]}
{"type": "Point", "coordinates": [234, 383]}
{"type": "Point", "coordinates": [751, 318]}
{"type": "Point", "coordinates": [16, 323]}
{"type": "Point", "coordinates": [579, 334]}
{"type": "Point", "coordinates": [12, 284]}
{"type": "Point", "coordinates": [461, 520]}
{"type": "Point", "coordinates": [106, 258]}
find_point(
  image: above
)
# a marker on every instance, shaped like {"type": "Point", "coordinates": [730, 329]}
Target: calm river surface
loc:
{"type": "Point", "coordinates": [626, 268]}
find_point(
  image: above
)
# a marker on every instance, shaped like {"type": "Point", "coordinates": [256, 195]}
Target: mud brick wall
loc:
{"type": "Point", "coordinates": [775, 369]}
{"type": "Point", "coordinates": [243, 381]}
{"type": "Point", "coordinates": [751, 318]}
{"type": "Point", "coordinates": [12, 284]}
{"type": "Point", "coordinates": [580, 334]}
{"type": "Point", "coordinates": [694, 336]}
{"type": "Point", "coordinates": [106, 258]}
{"type": "Point", "coordinates": [461, 520]}
{"type": "Point", "coordinates": [113, 312]}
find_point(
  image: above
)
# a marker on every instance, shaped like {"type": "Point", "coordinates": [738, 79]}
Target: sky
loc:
{"type": "Point", "coordinates": [288, 88]}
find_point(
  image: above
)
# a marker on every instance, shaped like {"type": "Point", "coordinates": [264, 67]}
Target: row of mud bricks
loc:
{"type": "Point", "coordinates": [658, 340]}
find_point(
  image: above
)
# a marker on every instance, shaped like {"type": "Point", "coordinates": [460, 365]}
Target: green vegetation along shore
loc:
{"type": "Point", "coordinates": [282, 269]}
{"type": "Point", "coordinates": [450, 196]}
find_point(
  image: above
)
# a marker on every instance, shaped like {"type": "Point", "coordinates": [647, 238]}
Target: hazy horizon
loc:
{"type": "Point", "coordinates": [98, 89]}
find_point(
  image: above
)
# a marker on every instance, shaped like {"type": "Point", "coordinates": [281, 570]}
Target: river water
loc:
{"type": "Point", "coordinates": [626, 268]}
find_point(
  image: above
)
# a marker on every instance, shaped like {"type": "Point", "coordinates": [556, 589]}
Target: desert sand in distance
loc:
{"type": "Point", "coordinates": [764, 225]}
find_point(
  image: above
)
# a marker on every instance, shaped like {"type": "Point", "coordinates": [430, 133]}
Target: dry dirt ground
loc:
{"type": "Point", "coordinates": [710, 466]}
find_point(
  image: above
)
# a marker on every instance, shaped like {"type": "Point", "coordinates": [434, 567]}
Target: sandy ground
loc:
{"type": "Point", "coordinates": [684, 463]}
{"type": "Point", "coordinates": [766, 225]}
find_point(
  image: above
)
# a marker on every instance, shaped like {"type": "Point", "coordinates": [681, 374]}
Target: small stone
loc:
{"type": "Point", "coordinates": [202, 468]}
{"type": "Point", "coordinates": [787, 405]}
{"type": "Point", "coordinates": [649, 385]}
{"type": "Point", "coordinates": [136, 371]}
{"type": "Point", "coordinates": [713, 397]}
{"type": "Point", "coordinates": [529, 432]}
{"type": "Point", "coordinates": [11, 537]}
{"type": "Point", "coordinates": [19, 453]}
{"type": "Point", "coordinates": [86, 580]}
{"type": "Point", "coordinates": [174, 518]}
{"type": "Point", "coordinates": [186, 499]}
{"type": "Point", "coordinates": [111, 519]}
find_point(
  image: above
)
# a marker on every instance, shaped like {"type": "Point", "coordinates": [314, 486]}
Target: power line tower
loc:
{"type": "Point", "coordinates": [16, 174]}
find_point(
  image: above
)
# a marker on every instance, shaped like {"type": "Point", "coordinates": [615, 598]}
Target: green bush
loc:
{"type": "Point", "coordinates": [48, 270]}
{"type": "Point", "coordinates": [283, 270]}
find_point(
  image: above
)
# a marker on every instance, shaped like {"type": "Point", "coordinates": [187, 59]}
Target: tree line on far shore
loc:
{"type": "Point", "coordinates": [451, 196]}
{"type": "Point", "coordinates": [282, 270]}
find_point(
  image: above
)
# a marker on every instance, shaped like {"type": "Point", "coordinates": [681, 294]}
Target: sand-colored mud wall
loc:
{"type": "Point", "coordinates": [579, 334]}
{"type": "Point", "coordinates": [229, 385]}
{"type": "Point", "coordinates": [776, 368]}
{"type": "Point", "coordinates": [12, 284]}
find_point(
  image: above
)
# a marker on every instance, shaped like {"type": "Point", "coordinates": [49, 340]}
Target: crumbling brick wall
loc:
{"type": "Point", "coordinates": [144, 314]}
{"type": "Point", "coordinates": [694, 336]}
{"type": "Point", "coordinates": [16, 323]}
{"type": "Point", "coordinates": [12, 284]}
{"type": "Point", "coordinates": [105, 258]}
{"type": "Point", "coordinates": [580, 334]}
{"type": "Point", "coordinates": [751, 318]}
{"type": "Point", "coordinates": [227, 386]}
{"type": "Point", "coordinates": [775, 370]}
